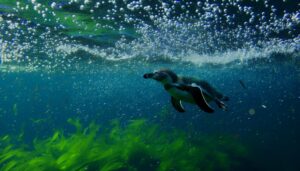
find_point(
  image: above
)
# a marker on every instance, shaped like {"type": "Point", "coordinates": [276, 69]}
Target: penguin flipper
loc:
{"type": "Point", "coordinates": [177, 105]}
{"type": "Point", "coordinates": [199, 98]}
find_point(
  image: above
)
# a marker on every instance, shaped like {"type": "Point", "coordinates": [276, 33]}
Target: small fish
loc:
{"type": "Point", "coordinates": [242, 84]}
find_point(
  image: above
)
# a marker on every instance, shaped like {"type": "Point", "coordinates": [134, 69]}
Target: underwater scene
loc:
{"type": "Point", "coordinates": [149, 85]}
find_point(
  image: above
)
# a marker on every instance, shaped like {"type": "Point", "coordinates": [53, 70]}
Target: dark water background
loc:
{"type": "Point", "coordinates": [120, 92]}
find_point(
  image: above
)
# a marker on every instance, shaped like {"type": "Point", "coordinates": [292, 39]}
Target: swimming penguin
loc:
{"type": "Point", "coordinates": [189, 90]}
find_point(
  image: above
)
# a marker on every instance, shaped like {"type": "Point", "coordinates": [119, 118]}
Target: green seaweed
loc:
{"type": "Point", "coordinates": [137, 146]}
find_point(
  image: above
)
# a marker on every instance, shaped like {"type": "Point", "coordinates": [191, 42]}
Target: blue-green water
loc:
{"type": "Point", "coordinates": [80, 64]}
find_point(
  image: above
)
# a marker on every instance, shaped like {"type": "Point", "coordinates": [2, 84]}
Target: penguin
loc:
{"type": "Point", "coordinates": [188, 89]}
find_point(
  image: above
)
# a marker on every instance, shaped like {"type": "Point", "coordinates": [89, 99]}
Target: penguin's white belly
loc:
{"type": "Point", "coordinates": [181, 95]}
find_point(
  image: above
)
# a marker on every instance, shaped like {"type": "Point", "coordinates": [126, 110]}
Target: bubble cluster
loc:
{"type": "Point", "coordinates": [122, 29]}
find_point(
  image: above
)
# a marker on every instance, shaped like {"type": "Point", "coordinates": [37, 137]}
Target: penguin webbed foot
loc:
{"type": "Point", "coordinates": [221, 105]}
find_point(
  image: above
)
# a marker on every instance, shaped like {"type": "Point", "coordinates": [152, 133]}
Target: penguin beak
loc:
{"type": "Point", "coordinates": [148, 75]}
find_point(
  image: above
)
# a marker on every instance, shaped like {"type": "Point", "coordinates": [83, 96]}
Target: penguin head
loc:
{"type": "Point", "coordinates": [165, 76]}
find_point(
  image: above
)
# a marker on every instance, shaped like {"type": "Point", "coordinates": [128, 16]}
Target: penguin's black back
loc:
{"type": "Point", "coordinates": [204, 84]}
